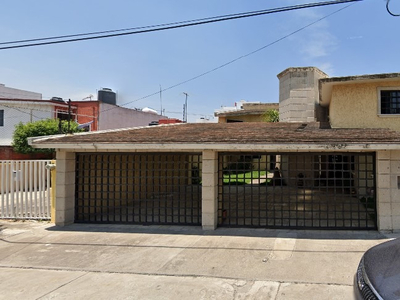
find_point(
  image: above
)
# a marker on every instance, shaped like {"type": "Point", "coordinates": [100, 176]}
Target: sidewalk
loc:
{"type": "Point", "coordinates": [40, 261]}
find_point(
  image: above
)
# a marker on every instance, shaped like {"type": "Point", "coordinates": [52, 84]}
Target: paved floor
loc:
{"type": "Point", "coordinates": [40, 261]}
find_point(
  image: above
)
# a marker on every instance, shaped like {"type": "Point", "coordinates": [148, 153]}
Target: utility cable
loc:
{"type": "Point", "coordinates": [20, 110]}
{"type": "Point", "coordinates": [42, 110]}
{"type": "Point", "coordinates": [389, 11]}
{"type": "Point", "coordinates": [133, 28]}
{"type": "Point", "coordinates": [175, 25]}
{"type": "Point", "coordinates": [234, 60]}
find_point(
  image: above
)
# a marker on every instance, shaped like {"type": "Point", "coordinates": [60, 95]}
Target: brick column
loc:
{"type": "Point", "coordinates": [210, 190]}
{"type": "Point", "coordinates": [65, 188]}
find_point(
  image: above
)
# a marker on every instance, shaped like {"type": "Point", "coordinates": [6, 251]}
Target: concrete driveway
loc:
{"type": "Point", "coordinates": [40, 261]}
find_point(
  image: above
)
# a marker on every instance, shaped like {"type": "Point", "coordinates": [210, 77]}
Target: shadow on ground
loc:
{"type": "Point", "coordinates": [242, 232]}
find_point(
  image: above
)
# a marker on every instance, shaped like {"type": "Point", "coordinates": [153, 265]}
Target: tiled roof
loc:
{"type": "Point", "coordinates": [231, 133]}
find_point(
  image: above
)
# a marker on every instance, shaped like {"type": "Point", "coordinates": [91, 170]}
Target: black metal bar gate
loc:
{"type": "Point", "coordinates": [297, 190]}
{"type": "Point", "coordinates": [138, 188]}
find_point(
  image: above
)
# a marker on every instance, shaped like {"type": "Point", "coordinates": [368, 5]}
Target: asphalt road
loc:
{"type": "Point", "coordinates": [40, 261]}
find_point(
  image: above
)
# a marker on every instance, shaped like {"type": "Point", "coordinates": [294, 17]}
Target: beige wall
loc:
{"type": "Point", "coordinates": [388, 190]}
{"type": "Point", "coordinates": [65, 191]}
{"type": "Point", "coordinates": [387, 180]}
{"type": "Point", "coordinates": [357, 106]}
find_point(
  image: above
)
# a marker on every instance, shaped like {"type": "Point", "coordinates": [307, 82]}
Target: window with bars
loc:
{"type": "Point", "coordinates": [390, 102]}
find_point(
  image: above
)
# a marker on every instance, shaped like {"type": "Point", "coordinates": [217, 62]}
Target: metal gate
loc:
{"type": "Point", "coordinates": [138, 188]}
{"type": "Point", "coordinates": [24, 189]}
{"type": "Point", "coordinates": [297, 190]}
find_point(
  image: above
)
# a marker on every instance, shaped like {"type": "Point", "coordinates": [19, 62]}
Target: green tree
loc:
{"type": "Point", "coordinates": [38, 128]}
{"type": "Point", "coordinates": [271, 115]}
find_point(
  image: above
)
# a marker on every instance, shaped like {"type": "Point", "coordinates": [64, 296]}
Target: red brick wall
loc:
{"type": "Point", "coordinates": [87, 111]}
{"type": "Point", "coordinates": [7, 153]}
{"type": "Point", "coordinates": [169, 121]}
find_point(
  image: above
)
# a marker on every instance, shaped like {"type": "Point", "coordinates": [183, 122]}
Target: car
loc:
{"type": "Point", "coordinates": [378, 274]}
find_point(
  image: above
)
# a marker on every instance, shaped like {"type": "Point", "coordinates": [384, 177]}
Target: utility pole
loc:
{"type": "Point", "coordinates": [185, 109]}
{"type": "Point", "coordinates": [161, 100]}
{"type": "Point", "coordinates": [69, 116]}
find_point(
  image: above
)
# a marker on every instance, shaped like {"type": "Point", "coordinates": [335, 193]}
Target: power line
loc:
{"type": "Point", "coordinates": [130, 29]}
{"type": "Point", "coordinates": [175, 25]}
{"type": "Point", "coordinates": [44, 110]}
{"type": "Point", "coordinates": [234, 60]}
{"type": "Point", "coordinates": [389, 11]}
{"type": "Point", "coordinates": [20, 110]}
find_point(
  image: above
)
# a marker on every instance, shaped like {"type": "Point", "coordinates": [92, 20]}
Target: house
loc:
{"type": "Point", "coordinates": [91, 115]}
{"type": "Point", "coordinates": [368, 101]}
{"type": "Point", "coordinates": [12, 93]}
{"type": "Point", "coordinates": [301, 173]}
{"type": "Point", "coordinates": [321, 178]}
{"type": "Point", "coordinates": [244, 112]}
{"type": "Point", "coordinates": [12, 107]}
{"type": "Point", "coordinates": [14, 111]}
{"type": "Point", "coordinates": [104, 113]}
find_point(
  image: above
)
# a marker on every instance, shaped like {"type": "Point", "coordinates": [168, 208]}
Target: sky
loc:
{"type": "Point", "coordinates": [360, 39]}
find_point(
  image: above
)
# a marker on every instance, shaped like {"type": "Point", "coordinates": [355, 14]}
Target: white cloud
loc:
{"type": "Point", "coordinates": [317, 44]}
{"type": "Point", "coordinates": [355, 37]}
{"type": "Point", "coordinates": [315, 41]}
{"type": "Point", "coordinates": [326, 67]}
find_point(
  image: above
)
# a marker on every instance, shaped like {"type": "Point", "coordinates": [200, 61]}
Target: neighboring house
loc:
{"type": "Point", "coordinates": [14, 111]}
{"type": "Point", "coordinates": [104, 113]}
{"type": "Point", "coordinates": [91, 115]}
{"type": "Point", "coordinates": [295, 174]}
{"type": "Point", "coordinates": [12, 93]}
{"type": "Point", "coordinates": [244, 112]}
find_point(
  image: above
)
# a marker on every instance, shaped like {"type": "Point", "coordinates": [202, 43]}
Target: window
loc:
{"type": "Point", "coordinates": [1, 117]}
{"type": "Point", "coordinates": [63, 115]}
{"type": "Point", "coordinates": [390, 101]}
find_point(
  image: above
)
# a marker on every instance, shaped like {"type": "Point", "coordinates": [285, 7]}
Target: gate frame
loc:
{"type": "Point", "coordinates": [387, 161]}
{"type": "Point", "coordinates": [294, 181]}
{"type": "Point", "coordinates": [25, 189]}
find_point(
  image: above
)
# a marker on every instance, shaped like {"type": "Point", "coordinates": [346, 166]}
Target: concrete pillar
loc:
{"type": "Point", "coordinates": [388, 190]}
{"type": "Point", "coordinates": [65, 188]}
{"type": "Point", "coordinates": [210, 190]}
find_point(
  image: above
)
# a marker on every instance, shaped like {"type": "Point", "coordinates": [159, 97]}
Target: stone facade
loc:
{"type": "Point", "coordinates": [298, 94]}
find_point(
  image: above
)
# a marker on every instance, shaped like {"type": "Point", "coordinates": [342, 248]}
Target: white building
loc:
{"type": "Point", "coordinates": [14, 111]}
{"type": "Point", "coordinates": [11, 93]}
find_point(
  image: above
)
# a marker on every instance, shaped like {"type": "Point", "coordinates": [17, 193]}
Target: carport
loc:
{"type": "Point", "coordinates": [297, 190]}
{"type": "Point", "coordinates": [268, 175]}
{"type": "Point", "coordinates": [138, 188]}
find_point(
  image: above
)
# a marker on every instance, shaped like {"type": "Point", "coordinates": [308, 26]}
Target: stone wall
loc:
{"type": "Point", "coordinates": [298, 94]}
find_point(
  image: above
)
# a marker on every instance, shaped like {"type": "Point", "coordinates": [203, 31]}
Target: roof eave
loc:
{"type": "Point", "coordinates": [176, 147]}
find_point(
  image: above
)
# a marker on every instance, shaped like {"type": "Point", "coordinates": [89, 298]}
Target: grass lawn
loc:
{"type": "Point", "coordinates": [244, 178]}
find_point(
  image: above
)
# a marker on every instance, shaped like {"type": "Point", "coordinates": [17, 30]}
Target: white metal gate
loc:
{"type": "Point", "coordinates": [24, 189]}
